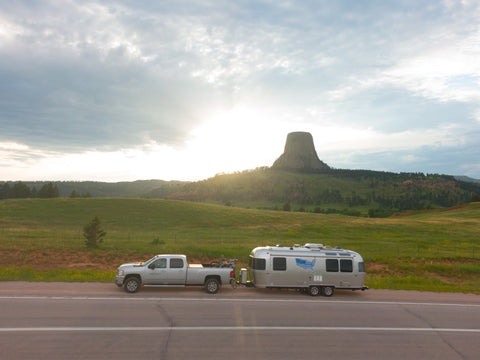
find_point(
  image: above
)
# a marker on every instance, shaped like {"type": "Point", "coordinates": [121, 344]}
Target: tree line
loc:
{"type": "Point", "coordinates": [20, 190]}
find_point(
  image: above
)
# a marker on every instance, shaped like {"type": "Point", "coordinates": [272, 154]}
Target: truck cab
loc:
{"type": "Point", "coordinates": [166, 270]}
{"type": "Point", "coordinates": [172, 270]}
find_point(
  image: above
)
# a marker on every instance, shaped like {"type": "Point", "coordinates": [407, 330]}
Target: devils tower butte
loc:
{"type": "Point", "coordinates": [299, 154]}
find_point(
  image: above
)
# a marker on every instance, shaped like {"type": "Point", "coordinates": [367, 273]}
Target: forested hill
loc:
{"type": "Point", "coordinates": [352, 192]}
{"type": "Point", "coordinates": [32, 189]}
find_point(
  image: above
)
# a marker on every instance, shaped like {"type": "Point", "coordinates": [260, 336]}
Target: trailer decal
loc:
{"type": "Point", "coordinates": [305, 264]}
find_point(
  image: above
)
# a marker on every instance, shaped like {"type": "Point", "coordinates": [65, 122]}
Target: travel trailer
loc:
{"type": "Point", "coordinates": [313, 267]}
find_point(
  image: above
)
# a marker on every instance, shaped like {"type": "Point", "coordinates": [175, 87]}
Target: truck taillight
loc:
{"type": "Point", "coordinates": [231, 274]}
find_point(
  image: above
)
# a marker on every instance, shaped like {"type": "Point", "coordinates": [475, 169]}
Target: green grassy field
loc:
{"type": "Point", "coordinates": [41, 240]}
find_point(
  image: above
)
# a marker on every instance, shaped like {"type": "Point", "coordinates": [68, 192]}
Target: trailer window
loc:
{"type": "Point", "coordinates": [176, 263]}
{"type": "Point", "coordinates": [279, 263]}
{"type": "Point", "coordinates": [346, 265]}
{"type": "Point", "coordinates": [361, 267]}
{"type": "Point", "coordinates": [258, 264]}
{"type": "Point", "coordinates": [332, 265]}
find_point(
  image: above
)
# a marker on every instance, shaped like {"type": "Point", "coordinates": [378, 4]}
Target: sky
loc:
{"type": "Point", "coordinates": [184, 90]}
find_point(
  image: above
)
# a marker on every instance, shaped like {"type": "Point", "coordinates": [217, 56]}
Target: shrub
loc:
{"type": "Point", "coordinates": [93, 233]}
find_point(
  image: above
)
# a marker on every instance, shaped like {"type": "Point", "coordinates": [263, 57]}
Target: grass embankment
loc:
{"type": "Point", "coordinates": [41, 240]}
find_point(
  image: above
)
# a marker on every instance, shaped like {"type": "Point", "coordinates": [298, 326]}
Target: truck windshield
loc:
{"type": "Point", "coordinates": [146, 262]}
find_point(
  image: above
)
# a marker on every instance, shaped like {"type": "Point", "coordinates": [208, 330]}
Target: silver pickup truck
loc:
{"type": "Point", "coordinates": [173, 270]}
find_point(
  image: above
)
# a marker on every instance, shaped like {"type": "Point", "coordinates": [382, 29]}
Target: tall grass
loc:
{"type": "Point", "coordinates": [62, 275]}
{"type": "Point", "coordinates": [33, 229]}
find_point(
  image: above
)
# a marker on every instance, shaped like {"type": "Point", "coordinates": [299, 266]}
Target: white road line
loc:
{"type": "Point", "coordinates": [229, 328]}
{"type": "Point", "coordinates": [297, 301]}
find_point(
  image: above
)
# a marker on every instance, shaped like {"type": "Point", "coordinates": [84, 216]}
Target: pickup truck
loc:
{"type": "Point", "coordinates": [173, 270]}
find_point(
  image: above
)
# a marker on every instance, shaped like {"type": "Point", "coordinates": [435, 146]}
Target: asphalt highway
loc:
{"type": "Point", "coordinates": [100, 321]}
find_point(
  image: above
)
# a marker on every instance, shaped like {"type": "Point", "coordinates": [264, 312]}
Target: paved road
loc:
{"type": "Point", "coordinates": [100, 321]}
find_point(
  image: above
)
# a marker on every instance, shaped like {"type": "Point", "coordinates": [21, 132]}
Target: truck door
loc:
{"type": "Point", "coordinates": [177, 271]}
{"type": "Point", "coordinates": [156, 273]}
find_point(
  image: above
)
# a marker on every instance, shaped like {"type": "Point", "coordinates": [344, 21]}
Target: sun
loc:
{"type": "Point", "coordinates": [236, 139]}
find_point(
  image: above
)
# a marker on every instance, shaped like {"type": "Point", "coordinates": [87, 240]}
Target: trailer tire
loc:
{"type": "Point", "coordinates": [132, 284]}
{"type": "Point", "coordinates": [328, 291]}
{"type": "Point", "coordinates": [212, 285]}
{"type": "Point", "coordinates": [313, 290]}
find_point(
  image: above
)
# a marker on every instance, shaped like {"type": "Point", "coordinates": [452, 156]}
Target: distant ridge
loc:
{"type": "Point", "coordinates": [299, 154]}
{"type": "Point", "coordinates": [467, 179]}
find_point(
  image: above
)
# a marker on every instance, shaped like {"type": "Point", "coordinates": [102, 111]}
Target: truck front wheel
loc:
{"type": "Point", "coordinates": [212, 285]}
{"type": "Point", "coordinates": [132, 284]}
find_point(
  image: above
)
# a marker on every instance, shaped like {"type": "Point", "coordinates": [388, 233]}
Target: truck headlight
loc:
{"type": "Point", "coordinates": [121, 272]}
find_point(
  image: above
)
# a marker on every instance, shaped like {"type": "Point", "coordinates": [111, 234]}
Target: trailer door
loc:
{"type": "Point", "coordinates": [279, 274]}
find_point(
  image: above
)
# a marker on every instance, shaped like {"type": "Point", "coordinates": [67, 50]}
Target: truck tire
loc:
{"type": "Point", "coordinates": [212, 286]}
{"type": "Point", "coordinates": [328, 290]}
{"type": "Point", "coordinates": [132, 284]}
{"type": "Point", "coordinates": [313, 290]}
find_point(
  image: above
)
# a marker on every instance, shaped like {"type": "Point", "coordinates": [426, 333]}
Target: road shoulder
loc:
{"type": "Point", "coordinates": [22, 288]}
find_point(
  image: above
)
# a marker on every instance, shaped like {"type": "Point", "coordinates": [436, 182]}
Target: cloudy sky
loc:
{"type": "Point", "coordinates": [127, 90]}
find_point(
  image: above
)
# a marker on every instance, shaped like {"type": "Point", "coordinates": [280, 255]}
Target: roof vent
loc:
{"type": "Point", "coordinates": [314, 246]}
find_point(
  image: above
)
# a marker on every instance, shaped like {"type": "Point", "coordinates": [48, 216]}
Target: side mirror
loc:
{"type": "Point", "coordinates": [151, 266]}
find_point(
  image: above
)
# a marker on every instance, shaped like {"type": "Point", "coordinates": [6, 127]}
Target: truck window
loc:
{"type": "Point", "coordinates": [361, 267]}
{"type": "Point", "coordinates": [161, 263]}
{"type": "Point", "coordinates": [346, 265]}
{"type": "Point", "coordinates": [176, 263]}
{"type": "Point", "coordinates": [279, 263]}
{"type": "Point", "coordinates": [257, 264]}
{"type": "Point", "coordinates": [331, 265]}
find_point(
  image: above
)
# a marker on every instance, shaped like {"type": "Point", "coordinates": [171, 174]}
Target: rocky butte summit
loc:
{"type": "Point", "coordinates": [299, 154]}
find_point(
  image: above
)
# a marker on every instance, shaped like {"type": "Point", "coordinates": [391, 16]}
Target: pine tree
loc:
{"type": "Point", "coordinates": [93, 233]}
{"type": "Point", "coordinates": [48, 191]}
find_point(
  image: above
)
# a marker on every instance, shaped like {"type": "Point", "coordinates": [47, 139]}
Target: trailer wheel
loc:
{"type": "Point", "coordinates": [132, 284]}
{"type": "Point", "coordinates": [212, 285]}
{"type": "Point", "coordinates": [328, 290]}
{"type": "Point", "coordinates": [313, 290]}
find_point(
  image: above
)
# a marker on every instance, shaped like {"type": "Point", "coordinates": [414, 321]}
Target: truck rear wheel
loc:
{"type": "Point", "coordinates": [132, 284]}
{"type": "Point", "coordinates": [212, 285]}
{"type": "Point", "coordinates": [328, 290]}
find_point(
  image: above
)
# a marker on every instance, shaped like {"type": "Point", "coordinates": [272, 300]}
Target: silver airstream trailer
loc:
{"type": "Point", "coordinates": [312, 267]}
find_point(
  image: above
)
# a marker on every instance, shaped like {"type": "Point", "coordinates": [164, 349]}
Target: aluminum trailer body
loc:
{"type": "Point", "coordinates": [312, 267]}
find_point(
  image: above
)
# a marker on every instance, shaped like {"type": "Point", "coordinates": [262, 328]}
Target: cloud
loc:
{"type": "Point", "coordinates": [92, 83]}
{"type": "Point", "coordinates": [119, 76]}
